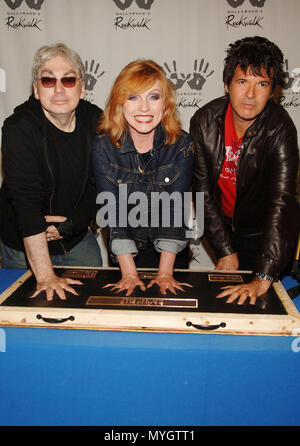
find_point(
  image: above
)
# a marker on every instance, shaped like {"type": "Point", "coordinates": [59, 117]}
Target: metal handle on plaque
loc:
{"type": "Point", "coordinates": [55, 320]}
{"type": "Point", "coordinates": [205, 327]}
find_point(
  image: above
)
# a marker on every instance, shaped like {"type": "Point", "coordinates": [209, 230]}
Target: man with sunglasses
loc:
{"type": "Point", "coordinates": [48, 197]}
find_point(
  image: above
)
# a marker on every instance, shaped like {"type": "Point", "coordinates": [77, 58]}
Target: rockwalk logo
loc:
{"type": "Point", "coordinates": [93, 72]}
{"type": "Point", "coordinates": [189, 85]}
{"type": "Point", "coordinates": [250, 14]}
{"type": "Point", "coordinates": [132, 14]}
{"type": "Point", "coordinates": [24, 14]}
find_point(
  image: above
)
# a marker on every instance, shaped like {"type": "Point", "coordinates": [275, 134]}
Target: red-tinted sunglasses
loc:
{"type": "Point", "coordinates": [50, 82]}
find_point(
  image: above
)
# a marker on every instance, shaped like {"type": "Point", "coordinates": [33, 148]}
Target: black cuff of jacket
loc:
{"type": "Point", "coordinates": [65, 229]}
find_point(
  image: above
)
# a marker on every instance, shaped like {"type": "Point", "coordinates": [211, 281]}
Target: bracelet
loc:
{"type": "Point", "coordinates": [262, 276]}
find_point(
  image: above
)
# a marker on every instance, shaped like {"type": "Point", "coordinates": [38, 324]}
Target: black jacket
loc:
{"type": "Point", "coordinates": [172, 163]}
{"type": "Point", "coordinates": [267, 169]}
{"type": "Point", "coordinates": [30, 190]}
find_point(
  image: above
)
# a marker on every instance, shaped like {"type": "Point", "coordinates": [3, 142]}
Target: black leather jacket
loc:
{"type": "Point", "coordinates": [266, 202]}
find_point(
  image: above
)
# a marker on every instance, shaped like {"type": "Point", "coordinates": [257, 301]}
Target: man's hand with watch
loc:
{"type": "Point", "coordinates": [254, 289]}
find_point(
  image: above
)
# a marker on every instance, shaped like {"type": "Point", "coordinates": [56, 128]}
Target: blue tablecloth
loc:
{"type": "Point", "coordinates": [83, 378]}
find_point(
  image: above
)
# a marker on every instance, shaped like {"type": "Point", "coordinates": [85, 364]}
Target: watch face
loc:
{"type": "Point", "coordinates": [262, 276]}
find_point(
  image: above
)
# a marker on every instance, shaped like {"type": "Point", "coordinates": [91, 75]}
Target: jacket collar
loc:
{"type": "Point", "coordinates": [159, 140]}
{"type": "Point", "coordinates": [34, 109]}
{"type": "Point", "coordinates": [254, 128]}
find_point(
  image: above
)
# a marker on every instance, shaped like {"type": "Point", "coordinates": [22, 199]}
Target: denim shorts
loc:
{"type": "Point", "coordinates": [85, 253]}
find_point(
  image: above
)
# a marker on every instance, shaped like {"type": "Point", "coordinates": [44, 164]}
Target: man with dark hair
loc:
{"type": "Point", "coordinates": [246, 163]}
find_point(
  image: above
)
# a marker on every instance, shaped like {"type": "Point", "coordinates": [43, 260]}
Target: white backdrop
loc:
{"type": "Point", "coordinates": [187, 37]}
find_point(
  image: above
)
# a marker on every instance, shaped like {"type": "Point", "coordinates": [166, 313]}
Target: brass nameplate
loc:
{"type": "Point", "coordinates": [80, 274]}
{"type": "Point", "coordinates": [225, 278]}
{"type": "Point", "coordinates": [142, 302]}
{"type": "Point", "coordinates": [147, 275]}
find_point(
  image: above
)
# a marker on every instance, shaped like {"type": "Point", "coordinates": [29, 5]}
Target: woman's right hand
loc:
{"type": "Point", "coordinates": [129, 282]}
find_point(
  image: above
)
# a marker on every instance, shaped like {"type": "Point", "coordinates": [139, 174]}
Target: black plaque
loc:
{"type": "Point", "coordinates": [203, 291]}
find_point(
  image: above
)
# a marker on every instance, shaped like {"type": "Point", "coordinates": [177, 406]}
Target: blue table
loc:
{"type": "Point", "coordinates": [83, 378]}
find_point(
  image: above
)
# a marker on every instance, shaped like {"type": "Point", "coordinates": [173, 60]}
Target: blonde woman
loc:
{"type": "Point", "coordinates": [142, 149]}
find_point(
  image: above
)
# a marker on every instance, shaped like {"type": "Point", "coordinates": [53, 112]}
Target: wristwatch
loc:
{"type": "Point", "coordinates": [262, 276]}
{"type": "Point", "coordinates": [65, 229]}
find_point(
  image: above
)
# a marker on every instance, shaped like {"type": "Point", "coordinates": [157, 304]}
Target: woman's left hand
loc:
{"type": "Point", "coordinates": [167, 282]}
{"type": "Point", "coordinates": [127, 283]}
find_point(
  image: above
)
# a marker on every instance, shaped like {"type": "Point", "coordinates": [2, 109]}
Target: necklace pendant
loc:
{"type": "Point", "coordinates": [140, 170]}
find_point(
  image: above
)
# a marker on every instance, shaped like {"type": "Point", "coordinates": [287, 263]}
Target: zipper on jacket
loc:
{"type": "Point", "coordinates": [236, 182]}
{"type": "Point", "coordinates": [53, 189]}
{"type": "Point", "coordinates": [221, 161]}
{"type": "Point", "coordinates": [84, 179]}
{"type": "Point", "coordinates": [247, 135]}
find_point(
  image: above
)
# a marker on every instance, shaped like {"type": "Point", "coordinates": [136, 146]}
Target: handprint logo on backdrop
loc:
{"type": "Point", "coordinates": [292, 81]}
{"type": "Point", "coordinates": [255, 3]}
{"type": "Point", "coordinates": [195, 80]}
{"type": "Point", "coordinates": [174, 78]}
{"type": "Point", "coordinates": [91, 75]}
{"type": "Point", "coordinates": [296, 81]}
{"type": "Point", "coordinates": [199, 76]}
{"type": "Point", "coordinates": [32, 4]}
{"type": "Point", "coordinates": [124, 4]}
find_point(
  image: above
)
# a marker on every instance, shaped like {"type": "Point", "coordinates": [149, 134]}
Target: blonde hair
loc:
{"type": "Point", "coordinates": [137, 77]}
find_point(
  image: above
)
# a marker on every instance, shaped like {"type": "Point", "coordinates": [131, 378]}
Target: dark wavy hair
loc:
{"type": "Point", "coordinates": [254, 53]}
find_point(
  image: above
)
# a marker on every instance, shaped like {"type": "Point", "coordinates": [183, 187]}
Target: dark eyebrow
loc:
{"type": "Point", "coordinates": [268, 80]}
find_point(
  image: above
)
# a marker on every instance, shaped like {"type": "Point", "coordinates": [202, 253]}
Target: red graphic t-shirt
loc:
{"type": "Point", "coordinates": [227, 179]}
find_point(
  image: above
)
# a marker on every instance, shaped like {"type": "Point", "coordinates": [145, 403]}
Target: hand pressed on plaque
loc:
{"type": "Point", "coordinates": [167, 282]}
{"type": "Point", "coordinates": [56, 285]}
{"type": "Point", "coordinates": [165, 279]}
{"type": "Point", "coordinates": [37, 252]}
{"type": "Point", "coordinates": [129, 282]}
{"type": "Point", "coordinates": [253, 290]}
